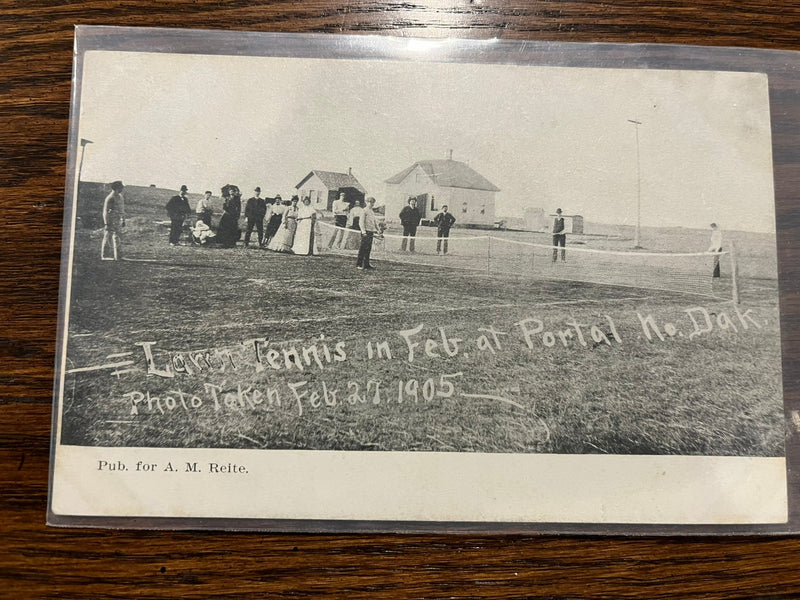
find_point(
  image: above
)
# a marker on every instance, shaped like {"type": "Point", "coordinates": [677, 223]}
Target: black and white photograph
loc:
{"type": "Point", "coordinates": [426, 279]}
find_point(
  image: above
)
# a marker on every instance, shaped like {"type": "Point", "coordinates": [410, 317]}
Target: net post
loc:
{"type": "Point", "coordinates": [489, 256]}
{"type": "Point", "coordinates": [734, 274]}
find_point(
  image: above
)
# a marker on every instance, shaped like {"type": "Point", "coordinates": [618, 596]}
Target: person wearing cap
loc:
{"type": "Point", "coordinates": [203, 209]}
{"type": "Point", "coordinates": [368, 225]}
{"type": "Point", "coordinates": [113, 220]}
{"type": "Point", "coordinates": [716, 247]}
{"type": "Point", "coordinates": [340, 210]}
{"type": "Point", "coordinates": [177, 210]}
{"type": "Point", "coordinates": [255, 210]}
{"type": "Point", "coordinates": [409, 219]}
{"type": "Point", "coordinates": [559, 237]}
{"type": "Point", "coordinates": [444, 221]}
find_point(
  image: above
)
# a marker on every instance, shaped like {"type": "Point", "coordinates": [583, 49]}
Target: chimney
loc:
{"type": "Point", "coordinates": [350, 171]}
{"type": "Point", "coordinates": [450, 154]}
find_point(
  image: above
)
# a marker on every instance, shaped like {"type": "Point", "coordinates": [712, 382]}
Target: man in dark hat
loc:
{"type": "Point", "coordinates": [559, 237]}
{"type": "Point", "coordinates": [255, 210]}
{"type": "Point", "coordinates": [177, 209]}
{"type": "Point", "coordinates": [444, 220]}
{"type": "Point", "coordinates": [409, 218]}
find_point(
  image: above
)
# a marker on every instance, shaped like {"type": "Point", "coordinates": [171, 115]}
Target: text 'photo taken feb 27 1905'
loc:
{"type": "Point", "coordinates": [323, 283]}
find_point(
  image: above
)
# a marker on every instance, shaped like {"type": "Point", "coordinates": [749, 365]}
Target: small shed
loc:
{"type": "Point", "coordinates": [323, 187]}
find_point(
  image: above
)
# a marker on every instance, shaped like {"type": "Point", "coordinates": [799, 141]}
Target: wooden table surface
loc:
{"type": "Point", "coordinates": [36, 40]}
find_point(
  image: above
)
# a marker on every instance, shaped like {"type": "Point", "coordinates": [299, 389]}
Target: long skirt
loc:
{"type": "Point", "coordinates": [304, 237]}
{"type": "Point", "coordinates": [228, 232]}
{"type": "Point", "coordinates": [286, 235]}
{"type": "Point", "coordinates": [273, 225]}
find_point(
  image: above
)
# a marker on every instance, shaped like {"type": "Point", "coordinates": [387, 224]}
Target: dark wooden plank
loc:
{"type": "Point", "coordinates": [41, 562]}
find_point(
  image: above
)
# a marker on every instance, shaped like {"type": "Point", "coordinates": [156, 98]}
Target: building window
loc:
{"type": "Point", "coordinates": [319, 196]}
{"type": "Point", "coordinates": [464, 207]}
{"type": "Point", "coordinates": [483, 209]}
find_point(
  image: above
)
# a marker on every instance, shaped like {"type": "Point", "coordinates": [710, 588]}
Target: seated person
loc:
{"type": "Point", "coordinates": [202, 234]}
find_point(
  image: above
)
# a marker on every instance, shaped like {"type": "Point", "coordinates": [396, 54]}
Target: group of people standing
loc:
{"type": "Point", "coordinates": [410, 218]}
{"type": "Point", "coordinates": [282, 226]}
{"type": "Point", "coordinates": [355, 227]}
{"type": "Point", "coordinates": [347, 219]}
{"type": "Point", "coordinates": [290, 226]}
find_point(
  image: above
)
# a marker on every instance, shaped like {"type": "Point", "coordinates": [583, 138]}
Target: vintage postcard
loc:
{"type": "Point", "coordinates": [334, 287]}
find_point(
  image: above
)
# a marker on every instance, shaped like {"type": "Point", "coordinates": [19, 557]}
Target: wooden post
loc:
{"type": "Point", "coordinates": [734, 274]}
{"type": "Point", "coordinates": [489, 256]}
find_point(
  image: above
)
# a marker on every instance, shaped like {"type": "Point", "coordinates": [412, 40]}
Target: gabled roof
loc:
{"type": "Point", "coordinates": [333, 180]}
{"type": "Point", "coordinates": [449, 173]}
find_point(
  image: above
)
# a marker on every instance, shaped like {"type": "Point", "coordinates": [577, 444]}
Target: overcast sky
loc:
{"type": "Point", "coordinates": [547, 137]}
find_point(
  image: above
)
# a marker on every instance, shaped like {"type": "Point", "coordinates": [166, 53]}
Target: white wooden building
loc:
{"type": "Point", "coordinates": [323, 187]}
{"type": "Point", "coordinates": [434, 183]}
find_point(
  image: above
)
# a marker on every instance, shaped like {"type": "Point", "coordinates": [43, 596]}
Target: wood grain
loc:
{"type": "Point", "coordinates": [40, 562]}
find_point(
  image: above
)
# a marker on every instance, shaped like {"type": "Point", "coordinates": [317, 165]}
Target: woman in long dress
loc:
{"type": "Point", "coordinates": [304, 243]}
{"type": "Point", "coordinates": [285, 234]}
{"type": "Point", "coordinates": [276, 210]}
{"type": "Point", "coordinates": [353, 239]}
{"type": "Point", "coordinates": [228, 232]}
{"type": "Point", "coordinates": [273, 235]}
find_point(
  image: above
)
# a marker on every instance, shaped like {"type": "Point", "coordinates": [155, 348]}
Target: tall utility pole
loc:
{"type": "Point", "coordinates": [84, 141]}
{"type": "Point", "coordinates": [636, 239]}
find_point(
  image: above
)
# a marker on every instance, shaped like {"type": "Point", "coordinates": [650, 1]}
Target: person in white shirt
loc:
{"type": "Point", "coordinates": [203, 209]}
{"type": "Point", "coordinates": [304, 242]}
{"type": "Point", "coordinates": [715, 246]}
{"type": "Point", "coordinates": [352, 241]}
{"type": "Point", "coordinates": [113, 221]}
{"type": "Point", "coordinates": [273, 219]}
{"type": "Point", "coordinates": [368, 225]}
{"type": "Point", "coordinates": [340, 210]}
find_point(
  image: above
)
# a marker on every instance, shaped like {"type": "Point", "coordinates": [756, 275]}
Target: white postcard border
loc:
{"type": "Point", "coordinates": [418, 486]}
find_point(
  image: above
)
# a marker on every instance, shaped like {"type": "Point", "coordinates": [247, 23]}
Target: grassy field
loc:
{"type": "Point", "coordinates": [541, 366]}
